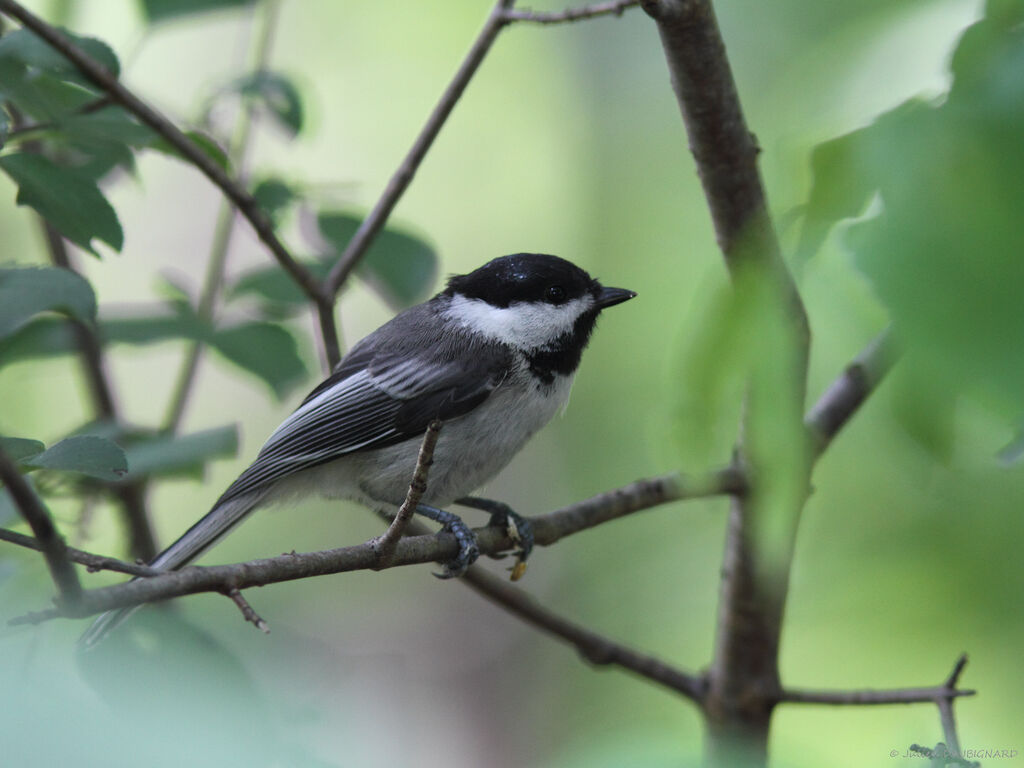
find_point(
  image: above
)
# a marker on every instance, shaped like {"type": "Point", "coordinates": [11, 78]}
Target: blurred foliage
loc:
{"type": "Point", "coordinates": [569, 142]}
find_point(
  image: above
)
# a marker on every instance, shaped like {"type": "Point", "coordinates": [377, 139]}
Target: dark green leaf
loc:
{"type": "Point", "coordinates": [265, 350]}
{"type": "Point", "coordinates": [43, 337]}
{"type": "Point", "coordinates": [206, 145]}
{"type": "Point", "coordinates": [5, 125]}
{"type": "Point", "coordinates": [161, 10]}
{"type": "Point", "coordinates": [88, 455]}
{"type": "Point", "coordinates": [26, 291]}
{"type": "Point", "coordinates": [275, 197]}
{"type": "Point", "coordinates": [185, 455]}
{"type": "Point", "coordinates": [277, 94]}
{"type": "Point", "coordinates": [150, 330]}
{"type": "Point", "coordinates": [40, 95]}
{"type": "Point", "coordinates": [19, 448]}
{"type": "Point", "coordinates": [399, 266]}
{"type": "Point", "coordinates": [69, 200]}
{"type": "Point", "coordinates": [24, 47]}
{"type": "Point", "coordinates": [108, 124]}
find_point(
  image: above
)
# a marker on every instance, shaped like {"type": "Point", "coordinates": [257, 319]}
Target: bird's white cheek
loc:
{"type": "Point", "coordinates": [525, 326]}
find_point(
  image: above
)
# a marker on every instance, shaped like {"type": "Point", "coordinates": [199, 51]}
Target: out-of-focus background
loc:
{"type": "Point", "coordinates": [568, 141]}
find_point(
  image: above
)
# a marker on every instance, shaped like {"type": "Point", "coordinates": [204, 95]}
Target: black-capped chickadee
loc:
{"type": "Point", "coordinates": [492, 356]}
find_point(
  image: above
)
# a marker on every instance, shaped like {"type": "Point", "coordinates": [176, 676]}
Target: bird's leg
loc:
{"type": "Point", "coordinates": [515, 527]}
{"type": "Point", "coordinates": [468, 550]}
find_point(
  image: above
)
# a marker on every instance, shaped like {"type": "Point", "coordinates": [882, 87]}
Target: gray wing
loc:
{"type": "Point", "coordinates": [375, 399]}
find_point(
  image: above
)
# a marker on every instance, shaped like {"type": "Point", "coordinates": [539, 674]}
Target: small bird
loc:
{"type": "Point", "coordinates": [492, 357]}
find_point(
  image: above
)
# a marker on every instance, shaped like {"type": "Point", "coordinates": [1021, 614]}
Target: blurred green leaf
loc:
{"type": "Point", "coordinates": [68, 199]}
{"type": "Point", "coordinates": [265, 350]}
{"type": "Point", "coordinates": [24, 47]}
{"type": "Point", "coordinates": [275, 197]}
{"type": "Point", "coordinates": [399, 266]}
{"type": "Point", "coordinates": [26, 291]}
{"type": "Point", "coordinates": [5, 125]}
{"type": "Point", "coordinates": [86, 454]}
{"type": "Point", "coordinates": [944, 254]}
{"type": "Point", "coordinates": [839, 190]}
{"type": "Point", "coordinates": [109, 124]}
{"type": "Point", "coordinates": [206, 144]}
{"type": "Point", "coordinates": [40, 95]}
{"type": "Point", "coordinates": [165, 455]}
{"type": "Point", "coordinates": [19, 448]}
{"type": "Point", "coordinates": [161, 10]}
{"type": "Point", "coordinates": [925, 408]}
{"type": "Point", "coordinates": [277, 93]}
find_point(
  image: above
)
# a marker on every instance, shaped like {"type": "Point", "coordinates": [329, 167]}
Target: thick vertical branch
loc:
{"type": "Point", "coordinates": [744, 678]}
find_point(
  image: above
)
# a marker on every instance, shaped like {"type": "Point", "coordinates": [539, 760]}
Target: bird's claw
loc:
{"type": "Point", "coordinates": [468, 549]}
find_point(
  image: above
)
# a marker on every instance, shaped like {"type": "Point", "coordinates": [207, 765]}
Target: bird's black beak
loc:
{"type": "Point", "coordinates": [609, 297]}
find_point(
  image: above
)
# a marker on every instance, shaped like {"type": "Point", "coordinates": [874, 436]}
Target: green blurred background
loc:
{"type": "Point", "coordinates": [568, 141]}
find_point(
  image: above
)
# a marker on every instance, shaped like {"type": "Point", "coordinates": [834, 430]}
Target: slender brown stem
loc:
{"type": "Point", "coordinates": [614, 8]}
{"type": "Point", "coordinates": [51, 544]}
{"type": "Point", "coordinates": [225, 226]}
{"type": "Point", "coordinates": [403, 176]}
{"type": "Point", "coordinates": [245, 202]}
{"type": "Point", "coordinates": [248, 612]}
{"type": "Point", "coordinates": [593, 647]}
{"type": "Point", "coordinates": [387, 541]}
{"type": "Point", "coordinates": [88, 559]}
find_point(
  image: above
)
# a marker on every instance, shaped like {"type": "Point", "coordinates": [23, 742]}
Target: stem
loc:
{"type": "Point", "coordinates": [237, 152]}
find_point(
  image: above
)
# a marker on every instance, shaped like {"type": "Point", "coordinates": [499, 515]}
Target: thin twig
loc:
{"type": "Point", "coordinates": [595, 648]}
{"type": "Point", "coordinates": [50, 542]}
{"type": "Point", "coordinates": [98, 75]}
{"type": "Point", "coordinates": [849, 391]}
{"type": "Point", "coordinates": [385, 543]}
{"type": "Point", "coordinates": [88, 559]}
{"type": "Point", "coordinates": [374, 222]}
{"type": "Point", "coordinates": [945, 704]}
{"type": "Point", "coordinates": [614, 8]}
{"type": "Point", "coordinates": [248, 613]}
{"type": "Point", "coordinates": [409, 550]}
{"type": "Point", "coordinates": [224, 228]}
{"type": "Point", "coordinates": [870, 697]}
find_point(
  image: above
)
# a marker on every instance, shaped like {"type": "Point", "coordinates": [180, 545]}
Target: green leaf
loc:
{"type": "Point", "coordinates": [839, 190]}
{"type": "Point", "coordinates": [161, 10]}
{"type": "Point", "coordinates": [185, 455]}
{"type": "Point", "coordinates": [265, 350]}
{"type": "Point", "coordinates": [399, 266]}
{"type": "Point", "coordinates": [277, 94]}
{"type": "Point", "coordinates": [24, 47]}
{"type": "Point", "coordinates": [5, 125]}
{"type": "Point", "coordinates": [19, 448]}
{"type": "Point", "coordinates": [108, 124]}
{"type": "Point", "coordinates": [88, 455]}
{"type": "Point", "coordinates": [206, 145]}
{"type": "Point", "coordinates": [275, 197]}
{"type": "Point", "coordinates": [42, 96]}
{"type": "Point", "coordinates": [68, 199]}
{"type": "Point", "coordinates": [26, 291]}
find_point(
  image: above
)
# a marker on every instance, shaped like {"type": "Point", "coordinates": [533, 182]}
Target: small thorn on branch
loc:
{"type": "Point", "coordinates": [248, 613]}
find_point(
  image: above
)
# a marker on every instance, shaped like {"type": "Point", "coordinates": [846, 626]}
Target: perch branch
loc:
{"type": "Point", "coordinates": [103, 79]}
{"type": "Point", "coordinates": [440, 547]}
{"type": "Point", "coordinates": [38, 518]}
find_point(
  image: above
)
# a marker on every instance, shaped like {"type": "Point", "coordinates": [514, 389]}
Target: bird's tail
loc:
{"type": "Point", "coordinates": [224, 516]}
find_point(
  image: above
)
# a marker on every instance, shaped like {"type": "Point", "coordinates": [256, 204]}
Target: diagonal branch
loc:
{"type": "Point", "coordinates": [613, 8]}
{"type": "Point", "coordinates": [403, 176]}
{"type": "Point", "coordinates": [98, 75]}
{"type": "Point", "coordinates": [440, 547]}
{"type": "Point", "coordinates": [849, 391]}
{"type": "Point", "coordinates": [592, 646]}
{"type": "Point", "coordinates": [387, 542]}
{"type": "Point", "coordinates": [38, 518]}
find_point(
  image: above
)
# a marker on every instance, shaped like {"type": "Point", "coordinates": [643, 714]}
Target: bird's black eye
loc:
{"type": "Point", "coordinates": [556, 294]}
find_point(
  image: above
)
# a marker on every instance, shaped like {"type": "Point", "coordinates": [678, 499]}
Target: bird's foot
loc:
{"type": "Point", "coordinates": [515, 526]}
{"type": "Point", "coordinates": [468, 549]}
